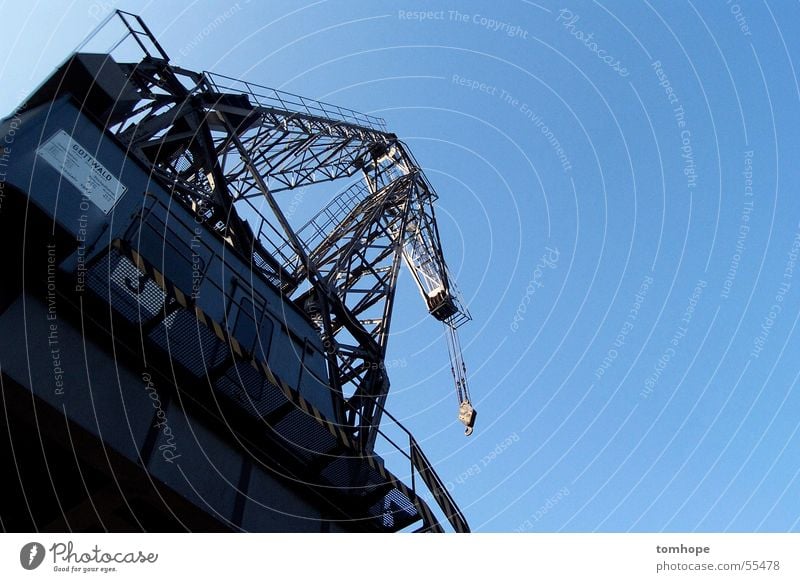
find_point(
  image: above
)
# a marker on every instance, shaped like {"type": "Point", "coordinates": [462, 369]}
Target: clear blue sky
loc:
{"type": "Point", "coordinates": [618, 200]}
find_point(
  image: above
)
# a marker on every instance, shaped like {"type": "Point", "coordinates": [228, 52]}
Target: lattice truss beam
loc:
{"type": "Point", "coordinates": [226, 148]}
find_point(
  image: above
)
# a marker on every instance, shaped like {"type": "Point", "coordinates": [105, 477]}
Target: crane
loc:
{"type": "Point", "coordinates": [230, 150]}
{"type": "Point", "coordinates": [423, 256]}
{"type": "Point", "coordinates": [395, 188]}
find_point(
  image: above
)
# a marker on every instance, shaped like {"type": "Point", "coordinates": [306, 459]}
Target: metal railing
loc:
{"type": "Point", "coordinates": [421, 469]}
{"type": "Point", "coordinates": [268, 97]}
{"type": "Point", "coordinates": [136, 30]}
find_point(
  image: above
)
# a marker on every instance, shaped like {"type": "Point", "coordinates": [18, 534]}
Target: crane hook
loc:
{"type": "Point", "coordinates": [467, 414]}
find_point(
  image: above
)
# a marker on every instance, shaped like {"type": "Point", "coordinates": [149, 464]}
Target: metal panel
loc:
{"type": "Point", "coordinates": [74, 375]}
{"type": "Point", "coordinates": [196, 463]}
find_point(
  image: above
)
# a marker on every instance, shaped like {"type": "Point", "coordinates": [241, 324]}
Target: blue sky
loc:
{"type": "Point", "coordinates": [617, 200]}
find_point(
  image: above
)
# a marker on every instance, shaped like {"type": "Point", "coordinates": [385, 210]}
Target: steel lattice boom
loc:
{"type": "Point", "coordinates": [225, 148]}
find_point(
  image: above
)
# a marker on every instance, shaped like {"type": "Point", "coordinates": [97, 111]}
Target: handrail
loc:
{"type": "Point", "coordinates": [420, 463]}
{"type": "Point", "coordinates": [132, 33]}
{"type": "Point", "coordinates": [269, 97]}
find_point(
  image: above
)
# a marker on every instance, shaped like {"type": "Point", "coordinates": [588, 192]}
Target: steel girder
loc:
{"type": "Point", "coordinates": [225, 147]}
